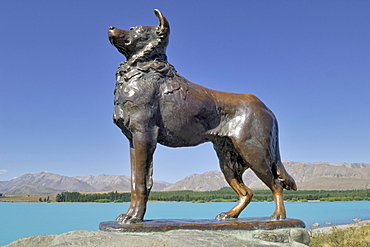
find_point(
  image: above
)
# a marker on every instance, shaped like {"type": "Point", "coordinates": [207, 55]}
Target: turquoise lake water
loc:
{"type": "Point", "coordinates": [29, 219]}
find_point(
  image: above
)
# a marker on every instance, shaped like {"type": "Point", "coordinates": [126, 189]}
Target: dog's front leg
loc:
{"type": "Point", "coordinates": [142, 148]}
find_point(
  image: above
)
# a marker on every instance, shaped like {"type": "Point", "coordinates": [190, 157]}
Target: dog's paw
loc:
{"type": "Point", "coordinates": [277, 217]}
{"type": "Point", "coordinates": [225, 216]}
{"type": "Point", "coordinates": [127, 219]}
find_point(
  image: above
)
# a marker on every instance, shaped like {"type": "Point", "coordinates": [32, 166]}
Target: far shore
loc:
{"type": "Point", "coordinates": [50, 198]}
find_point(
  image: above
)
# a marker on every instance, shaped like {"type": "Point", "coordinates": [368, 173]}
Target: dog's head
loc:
{"type": "Point", "coordinates": [142, 40]}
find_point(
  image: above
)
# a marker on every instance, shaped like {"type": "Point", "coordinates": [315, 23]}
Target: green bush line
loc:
{"type": "Point", "coordinates": [225, 194]}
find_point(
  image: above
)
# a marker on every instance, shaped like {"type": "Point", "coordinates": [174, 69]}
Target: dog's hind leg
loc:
{"type": "Point", "coordinates": [258, 158]}
{"type": "Point", "coordinates": [233, 167]}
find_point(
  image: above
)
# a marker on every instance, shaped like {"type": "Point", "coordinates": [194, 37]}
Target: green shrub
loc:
{"type": "Point", "coordinates": [347, 199]}
{"type": "Point", "coordinates": [224, 200]}
{"type": "Point", "coordinates": [102, 200]}
{"type": "Point", "coordinates": [217, 200]}
{"type": "Point", "coordinates": [201, 201]}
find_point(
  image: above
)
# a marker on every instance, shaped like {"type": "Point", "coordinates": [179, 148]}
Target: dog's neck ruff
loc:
{"type": "Point", "coordinates": [160, 72]}
{"type": "Point", "coordinates": [126, 70]}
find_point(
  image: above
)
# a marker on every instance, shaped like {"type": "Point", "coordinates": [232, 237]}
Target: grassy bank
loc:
{"type": "Point", "coordinates": [352, 236]}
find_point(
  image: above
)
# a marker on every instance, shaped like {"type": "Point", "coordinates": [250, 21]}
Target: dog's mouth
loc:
{"type": "Point", "coordinates": [121, 43]}
{"type": "Point", "coordinates": [111, 40]}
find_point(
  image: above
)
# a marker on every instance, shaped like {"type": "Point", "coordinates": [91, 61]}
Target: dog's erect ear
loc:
{"type": "Point", "coordinates": [163, 26]}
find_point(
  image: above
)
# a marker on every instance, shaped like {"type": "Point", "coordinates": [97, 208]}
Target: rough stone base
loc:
{"type": "Point", "coordinates": [295, 237]}
{"type": "Point", "coordinates": [237, 232]}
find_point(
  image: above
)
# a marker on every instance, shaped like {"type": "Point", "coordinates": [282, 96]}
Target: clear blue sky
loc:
{"type": "Point", "coordinates": [309, 61]}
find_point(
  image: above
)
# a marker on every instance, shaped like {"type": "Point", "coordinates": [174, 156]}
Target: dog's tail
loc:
{"type": "Point", "coordinates": [278, 168]}
{"type": "Point", "coordinates": [285, 179]}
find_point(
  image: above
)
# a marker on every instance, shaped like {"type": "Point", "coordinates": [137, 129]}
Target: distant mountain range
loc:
{"type": "Point", "coordinates": [315, 176]}
{"type": "Point", "coordinates": [49, 183]}
{"type": "Point", "coordinates": [318, 175]}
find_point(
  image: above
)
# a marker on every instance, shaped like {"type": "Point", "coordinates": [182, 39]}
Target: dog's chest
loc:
{"type": "Point", "coordinates": [135, 87]}
{"type": "Point", "coordinates": [134, 94]}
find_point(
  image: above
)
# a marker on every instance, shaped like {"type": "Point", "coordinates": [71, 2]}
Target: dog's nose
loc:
{"type": "Point", "coordinates": [111, 28]}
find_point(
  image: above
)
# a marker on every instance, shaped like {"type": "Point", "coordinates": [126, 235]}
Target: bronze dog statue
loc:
{"type": "Point", "coordinates": [154, 104]}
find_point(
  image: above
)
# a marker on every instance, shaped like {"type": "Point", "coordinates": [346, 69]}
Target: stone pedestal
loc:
{"type": "Point", "coordinates": [257, 223]}
{"type": "Point", "coordinates": [261, 231]}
